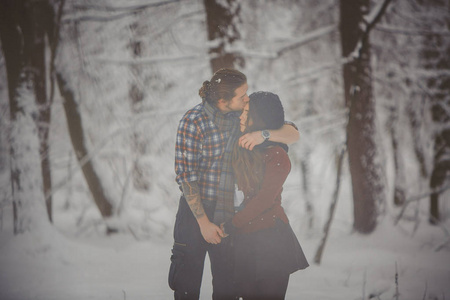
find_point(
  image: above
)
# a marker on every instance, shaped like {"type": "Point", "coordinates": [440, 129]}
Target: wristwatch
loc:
{"type": "Point", "coordinates": [265, 134]}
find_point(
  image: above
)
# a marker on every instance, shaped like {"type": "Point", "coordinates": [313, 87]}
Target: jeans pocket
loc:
{"type": "Point", "coordinates": [177, 263]}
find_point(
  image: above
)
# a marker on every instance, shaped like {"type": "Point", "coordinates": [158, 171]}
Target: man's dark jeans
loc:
{"type": "Point", "coordinates": [188, 257]}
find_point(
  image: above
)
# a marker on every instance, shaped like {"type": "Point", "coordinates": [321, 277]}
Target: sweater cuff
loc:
{"type": "Point", "coordinates": [229, 227]}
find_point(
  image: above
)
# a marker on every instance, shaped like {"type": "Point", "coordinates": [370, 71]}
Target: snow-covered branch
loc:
{"type": "Point", "coordinates": [178, 19]}
{"type": "Point", "coordinates": [87, 158]}
{"type": "Point", "coordinates": [95, 18]}
{"type": "Point", "coordinates": [323, 123]}
{"type": "Point", "coordinates": [418, 198]}
{"type": "Point", "coordinates": [374, 17]}
{"type": "Point", "coordinates": [129, 9]}
{"type": "Point", "coordinates": [153, 60]}
{"type": "Point", "coordinates": [314, 35]}
{"type": "Point", "coordinates": [396, 30]}
{"type": "Point", "coordinates": [292, 44]}
{"type": "Point", "coordinates": [111, 13]}
{"type": "Point", "coordinates": [315, 70]}
{"type": "Point", "coordinates": [368, 24]}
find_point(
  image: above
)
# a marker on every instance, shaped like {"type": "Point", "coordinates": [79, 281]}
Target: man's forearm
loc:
{"type": "Point", "coordinates": [191, 192]}
{"type": "Point", "coordinates": [211, 232]}
{"type": "Point", "coordinates": [287, 134]}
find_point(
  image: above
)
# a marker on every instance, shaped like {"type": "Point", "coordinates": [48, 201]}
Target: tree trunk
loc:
{"type": "Point", "coordinates": [309, 207]}
{"type": "Point", "coordinates": [76, 133]}
{"type": "Point", "coordinates": [136, 94]}
{"type": "Point", "coordinates": [326, 230]}
{"type": "Point", "coordinates": [415, 116]}
{"type": "Point", "coordinates": [22, 37]}
{"type": "Point", "coordinates": [399, 179]}
{"type": "Point", "coordinates": [362, 149]}
{"type": "Point", "coordinates": [222, 32]}
{"type": "Point", "coordinates": [436, 59]}
{"type": "Point", "coordinates": [42, 18]}
{"type": "Point", "coordinates": [441, 169]}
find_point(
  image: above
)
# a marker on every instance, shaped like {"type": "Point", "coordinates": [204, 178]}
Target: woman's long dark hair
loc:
{"type": "Point", "coordinates": [248, 166]}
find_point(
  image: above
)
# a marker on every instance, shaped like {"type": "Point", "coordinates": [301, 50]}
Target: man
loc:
{"type": "Point", "coordinates": [205, 139]}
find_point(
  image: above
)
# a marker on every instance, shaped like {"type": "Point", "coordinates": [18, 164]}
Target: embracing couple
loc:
{"type": "Point", "coordinates": [231, 162]}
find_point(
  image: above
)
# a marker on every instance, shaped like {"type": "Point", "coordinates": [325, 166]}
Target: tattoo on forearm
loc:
{"type": "Point", "coordinates": [196, 207]}
{"type": "Point", "coordinates": [192, 195]}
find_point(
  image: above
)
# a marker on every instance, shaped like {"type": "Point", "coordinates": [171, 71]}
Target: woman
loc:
{"type": "Point", "coordinates": [266, 249]}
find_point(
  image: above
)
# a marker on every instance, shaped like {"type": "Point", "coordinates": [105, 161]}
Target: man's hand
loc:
{"type": "Point", "coordinates": [251, 139]}
{"type": "Point", "coordinates": [210, 231]}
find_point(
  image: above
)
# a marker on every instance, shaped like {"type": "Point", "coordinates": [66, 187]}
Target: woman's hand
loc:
{"type": "Point", "coordinates": [250, 140]}
{"type": "Point", "coordinates": [223, 230]}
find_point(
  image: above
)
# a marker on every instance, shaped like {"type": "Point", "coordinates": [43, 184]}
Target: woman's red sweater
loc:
{"type": "Point", "coordinates": [262, 208]}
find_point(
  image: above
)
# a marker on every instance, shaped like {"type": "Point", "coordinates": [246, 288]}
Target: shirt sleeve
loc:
{"type": "Point", "coordinates": [278, 167]}
{"type": "Point", "coordinates": [187, 150]}
{"type": "Point", "coordinates": [291, 123]}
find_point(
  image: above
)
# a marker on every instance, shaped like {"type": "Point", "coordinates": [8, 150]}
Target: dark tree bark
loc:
{"type": "Point", "coordinates": [42, 20]}
{"type": "Point", "coordinates": [11, 41]}
{"type": "Point", "coordinates": [24, 27]}
{"type": "Point", "coordinates": [415, 119]}
{"type": "Point", "coordinates": [222, 31]}
{"type": "Point", "coordinates": [136, 95]}
{"type": "Point", "coordinates": [326, 230]}
{"type": "Point", "coordinates": [436, 58]}
{"type": "Point", "coordinates": [309, 207]}
{"type": "Point", "coordinates": [367, 184]}
{"type": "Point", "coordinates": [441, 163]}
{"type": "Point", "coordinates": [76, 133]}
{"type": "Point", "coordinates": [399, 184]}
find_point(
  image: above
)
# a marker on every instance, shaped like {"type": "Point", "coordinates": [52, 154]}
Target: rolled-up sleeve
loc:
{"type": "Point", "coordinates": [187, 151]}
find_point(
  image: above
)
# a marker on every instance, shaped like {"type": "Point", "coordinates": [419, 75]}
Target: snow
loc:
{"type": "Point", "coordinates": [54, 266]}
{"type": "Point", "coordinates": [113, 268]}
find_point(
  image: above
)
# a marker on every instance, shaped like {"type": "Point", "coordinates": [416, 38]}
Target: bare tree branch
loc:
{"type": "Point", "coordinates": [340, 158]}
{"type": "Point", "coordinates": [97, 18]}
{"type": "Point", "coordinates": [378, 15]}
{"type": "Point", "coordinates": [154, 60]}
{"type": "Point", "coordinates": [108, 17]}
{"type": "Point", "coordinates": [442, 245]}
{"type": "Point", "coordinates": [390, 29]}
{"type": "Point", "coordinates": [128, 9]}
{"type": "Point", "coordinates": [177, 20]}
{"type": "Point", "coordinates": [314, 35]}
{"type": "Point", "coordinates": [370, 25]}
{"type": "Point", "coordinates": [291, 45]}
{"type": "Point", "coordinates": [54, 45]}
{"type": "Point", "coordinates": [418, 198]}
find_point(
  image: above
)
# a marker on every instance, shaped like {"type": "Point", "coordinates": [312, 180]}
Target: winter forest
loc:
{"type": "Point", "coordinates": [91, 93]}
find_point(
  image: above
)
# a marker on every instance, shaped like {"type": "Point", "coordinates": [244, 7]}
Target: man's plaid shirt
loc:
{"type": "Point", "coordinates": [199, 150]}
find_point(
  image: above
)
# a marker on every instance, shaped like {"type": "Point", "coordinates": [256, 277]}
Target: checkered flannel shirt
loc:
{"type": "Point", "coordinates": [199, 150]}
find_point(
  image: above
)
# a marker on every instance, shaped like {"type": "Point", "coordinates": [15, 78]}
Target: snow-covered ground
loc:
{"type": "Point", "coordinates": [54, 266]}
